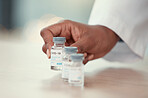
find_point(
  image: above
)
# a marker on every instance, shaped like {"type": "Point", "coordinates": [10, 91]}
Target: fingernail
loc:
{"type": "Point", "coordinates": [48, 46]}
{"type": "Point", "coordinates": [85, 54]}
{"type": "Point", "coordinates": [85, 61]}
{"type": "Point", "coordinates": [90, 57]}
{"type": "Point", "coordinates": [48, 54]}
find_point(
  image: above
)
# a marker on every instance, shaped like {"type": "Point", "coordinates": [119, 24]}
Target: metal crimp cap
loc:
{"type": "Point", "coordinates": [77, 57]}
{"type": "Point", "coordinates": [59, 39]}
{"type": "Point", "coordinates": [70, 49]}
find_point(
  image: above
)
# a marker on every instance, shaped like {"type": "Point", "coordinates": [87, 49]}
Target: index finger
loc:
{"type": "Point", "coordinates": [49, 32]}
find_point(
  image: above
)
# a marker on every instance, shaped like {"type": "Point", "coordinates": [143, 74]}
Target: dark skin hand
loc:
{"type": "Point", "coordinates": [95, 41]}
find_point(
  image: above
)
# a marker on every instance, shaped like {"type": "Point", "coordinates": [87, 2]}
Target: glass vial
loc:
{"type": "Point", "coordinates": [68, 51]}
{"type": "Point", "coordinates": [57, 53]}
{"type": "Point", "coordinates": [76, 72]}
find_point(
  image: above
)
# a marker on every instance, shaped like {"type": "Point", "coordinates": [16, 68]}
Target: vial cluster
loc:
{"type": "Point", "coordinates": [68, 61]}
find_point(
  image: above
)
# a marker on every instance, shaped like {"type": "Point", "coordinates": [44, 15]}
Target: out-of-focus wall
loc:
{"type": "Point", "coordinates": [0, 11]}
{"type": "Point", "coordinates": [27, 10]}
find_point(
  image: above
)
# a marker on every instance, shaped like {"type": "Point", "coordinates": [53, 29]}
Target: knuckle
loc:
{"type": "Point", "coordinates": [80, 48]}
{"type": "Point", "coordinates": [43, 32]}
{"type": "Point", "coordinates": [44, 48]}
{"type": "Point", "coordinates": [67, 21]}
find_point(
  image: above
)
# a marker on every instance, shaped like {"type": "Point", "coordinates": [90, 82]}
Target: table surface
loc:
{"type": "Point", "coordinates": [24, 73]}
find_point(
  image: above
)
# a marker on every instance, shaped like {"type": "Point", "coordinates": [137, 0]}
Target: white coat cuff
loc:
{"type": "Point", "coordinates": [122, 29]}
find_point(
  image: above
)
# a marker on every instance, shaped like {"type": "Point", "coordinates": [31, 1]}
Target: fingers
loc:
{"type": "Point", "coordinates": [48, 39]}
{"type": "Point", "coordinates": [44, 49]}
{"type": "Point", "coordinates": [47, 36]}
{"type": "Point", "coordinates": [82, 45]}
{"type": "Point", "coordinates": [85, 55]}
{"type": "Point", "coordinates": [52, 31]}
{"type": "Point", "coordinates": [48, 50]}
{"type": "Point", "coordinates": [48, 53]}
{"type": "Point", "coordinates": [88, 58]}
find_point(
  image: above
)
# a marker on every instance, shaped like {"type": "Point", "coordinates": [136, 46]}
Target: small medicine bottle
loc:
{"type": "Point", "coordinates": [68, 51]}
{"type": "Point", "coordinates": [76, 72]}
{"type": "Point", "coordinates": [57, 53]}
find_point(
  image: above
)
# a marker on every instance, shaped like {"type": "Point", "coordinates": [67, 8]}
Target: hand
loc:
{"type": "Point", "coordinates": [94, 41]}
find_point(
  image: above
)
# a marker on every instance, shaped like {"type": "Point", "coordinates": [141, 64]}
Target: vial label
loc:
{"type": "Point", "coordinates": [56, 57]}
{"type": "Point", "coordinates": [76, 75]}
{"type": "Point", "coordinates": [65, 70]}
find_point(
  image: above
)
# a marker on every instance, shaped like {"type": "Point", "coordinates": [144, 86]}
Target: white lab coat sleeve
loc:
{"type": "Point", "coordinates": [127, 18]}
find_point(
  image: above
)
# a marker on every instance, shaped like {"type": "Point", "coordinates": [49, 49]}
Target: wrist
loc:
{"type": "Point", "coordinates": [111, 38]}
{"type": "Point", "coordinates": [111, 34]}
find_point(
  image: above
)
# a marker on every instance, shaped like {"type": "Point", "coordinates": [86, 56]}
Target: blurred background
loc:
{"type": "Point", "coordinates": [22, 20]}
{"type": "Point", "coordinates": [19, 19]}
{"type": "Point", "coordinates": [24, 68]}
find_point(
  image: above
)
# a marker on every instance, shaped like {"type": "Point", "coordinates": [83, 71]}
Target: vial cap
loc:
{"type": "Point", "coordinates": [77, 57]}
{"type": "Point", "coordinates": [70, 49]}
{"type": "Point", "coordinates": [59, 39]}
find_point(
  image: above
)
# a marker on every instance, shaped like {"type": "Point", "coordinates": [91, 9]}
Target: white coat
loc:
{"type": "Point", "coordinates": [129, 20]}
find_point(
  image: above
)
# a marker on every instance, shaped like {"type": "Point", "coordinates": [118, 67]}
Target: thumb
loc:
{"type": "Point", "coordinates": [81, 44]}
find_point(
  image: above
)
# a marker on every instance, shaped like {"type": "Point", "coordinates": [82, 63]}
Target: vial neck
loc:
{"type": "Point", "coordinates": [59, 44]}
